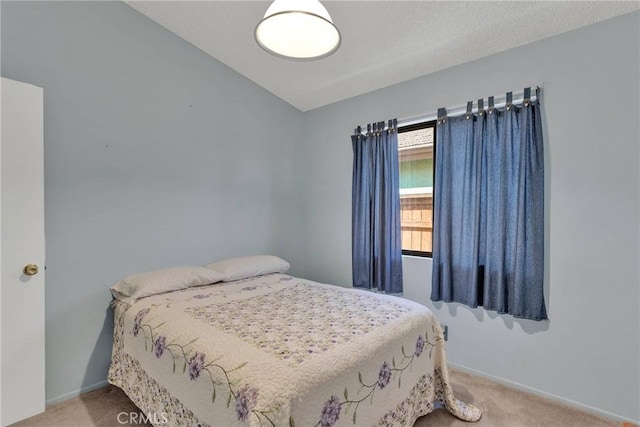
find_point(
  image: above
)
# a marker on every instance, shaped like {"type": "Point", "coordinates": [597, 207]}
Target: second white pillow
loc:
{"type": "Point", "coordinates": [250, 266]}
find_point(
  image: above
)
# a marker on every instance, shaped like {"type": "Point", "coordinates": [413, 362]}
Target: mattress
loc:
{"type": "Point", "coordinates": [276, 350]}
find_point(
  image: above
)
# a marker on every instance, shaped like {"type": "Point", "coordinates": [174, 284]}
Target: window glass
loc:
{"type": "Point", "coordinates": [415, 152]}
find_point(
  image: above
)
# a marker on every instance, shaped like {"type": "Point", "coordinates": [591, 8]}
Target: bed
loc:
{"type": "Point", "coordinates": [276, 350]}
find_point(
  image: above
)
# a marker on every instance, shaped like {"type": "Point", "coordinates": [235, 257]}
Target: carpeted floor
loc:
{"type": "Point", "coordinates": [501, 406]}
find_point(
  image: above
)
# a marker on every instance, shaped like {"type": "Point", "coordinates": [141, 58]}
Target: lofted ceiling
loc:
{"type": "Point", "coordinates": [383, 42]}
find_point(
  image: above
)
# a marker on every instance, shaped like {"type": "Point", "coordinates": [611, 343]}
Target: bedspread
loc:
{"type": "Point", "coordinates": [276, 350]}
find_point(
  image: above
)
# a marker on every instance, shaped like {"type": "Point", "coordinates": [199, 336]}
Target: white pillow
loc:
{"type": "Point", "coordinates": [250, 266]}
{"type": "Point", "coordinates": [141, 285]}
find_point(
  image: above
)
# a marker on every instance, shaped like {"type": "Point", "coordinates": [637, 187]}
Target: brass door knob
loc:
{"type": "Point", "coordinates": [30, 269]}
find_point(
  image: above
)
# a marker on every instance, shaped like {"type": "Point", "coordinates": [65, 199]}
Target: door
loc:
{"type": "Point", "coordinates": [22, 337]}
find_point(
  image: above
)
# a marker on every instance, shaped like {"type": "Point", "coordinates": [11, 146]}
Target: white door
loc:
{"type": "Point", "coordinates": [22, 362]}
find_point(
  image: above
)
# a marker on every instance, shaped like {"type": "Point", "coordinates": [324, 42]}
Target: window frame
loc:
{"type": "Point", "coordinates": [410, 128]}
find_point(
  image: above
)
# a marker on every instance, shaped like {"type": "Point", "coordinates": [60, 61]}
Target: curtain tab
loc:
{"type": "Point", "coordinates": [390, 127]}
{"type": "Point", "coordinates": [442, 115]}
{"type": "Point", "coordinates": [469, 108]}
{"type": "Point", "coordinates": [480, 107]}
{"type": "Point", "coordinates": [491, 105]}
{"type": "Point", "coordinates": [538, 95]}
{"type": "Point", "coordinates": [369, 129]}
{"type": "Point", "coordinates": [527, 96]}
{"type": "Point", "coordinates": [509, 100]}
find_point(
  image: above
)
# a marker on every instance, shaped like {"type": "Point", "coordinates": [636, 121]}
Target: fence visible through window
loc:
{"type": "Point", "coordinates": [415, 153]}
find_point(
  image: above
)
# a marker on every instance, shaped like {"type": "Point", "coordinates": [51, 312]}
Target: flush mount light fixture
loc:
{"type": "Point", "coordinates": [299, 30]}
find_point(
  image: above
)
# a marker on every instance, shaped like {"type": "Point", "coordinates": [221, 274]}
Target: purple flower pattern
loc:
{"type": "Point", "coordinates": [196, 363]}
{"type": "Point", "coordinates": [160, 345]}
{"type": "Point", "coordinates": [419, 346]}
{"type": "Point", "coordinates": [384, 375]}
{"type": "Point", "coordinates": [246, 399]}
{"type": "Point", "coordinates": [333, 405]}
{"type": "Point", "coordinates": [330, 412]}
{"type": "Point", "coordinates": [138, 320]}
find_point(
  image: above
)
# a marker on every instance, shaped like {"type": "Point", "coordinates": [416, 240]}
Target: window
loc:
{"type": "Point", "coordinates": [416, 148]}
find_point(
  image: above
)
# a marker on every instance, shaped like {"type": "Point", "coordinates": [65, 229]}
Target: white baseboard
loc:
{"type": "Point", "coordinates": [76, 393]}
{"type": "Point", "coordinates": [545, 394]}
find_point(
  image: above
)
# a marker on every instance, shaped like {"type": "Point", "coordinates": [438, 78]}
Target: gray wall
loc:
{"type": "Point", "coordinates": [156, 155]}
{"type": "Point", "coordinates": [588, 353]}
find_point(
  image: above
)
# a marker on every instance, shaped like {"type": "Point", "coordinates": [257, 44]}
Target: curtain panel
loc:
{"type": "Point", "coordinates": [376, 233]}
{"type": "Point", "coordinates": [488, 235]}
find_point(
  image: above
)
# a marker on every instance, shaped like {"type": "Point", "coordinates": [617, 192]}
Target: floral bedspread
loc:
{"type": "Point", "coordinates": [276, 350]}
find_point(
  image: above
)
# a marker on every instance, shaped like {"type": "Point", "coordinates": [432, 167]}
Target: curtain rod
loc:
{"type": "Point", "coordinates": [500, 102]}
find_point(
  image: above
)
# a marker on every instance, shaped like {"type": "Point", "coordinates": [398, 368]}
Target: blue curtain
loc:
{"type": "Point", "coordinates": [376, 234]}
{"type": "Point", "coordinates": [488, 234]}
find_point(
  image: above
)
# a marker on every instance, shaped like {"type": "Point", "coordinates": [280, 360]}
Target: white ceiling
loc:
{"type": "Point", "coordinates": [383, 42]}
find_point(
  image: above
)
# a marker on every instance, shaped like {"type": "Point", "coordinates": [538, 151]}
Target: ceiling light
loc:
{"type": "Point", "coordinates": [299, 30]}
